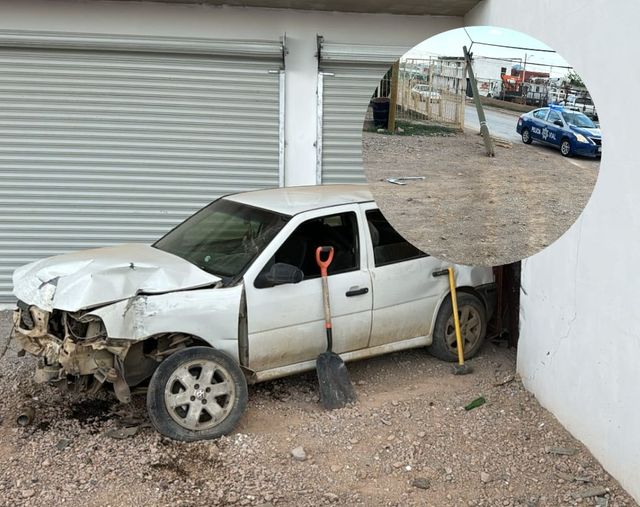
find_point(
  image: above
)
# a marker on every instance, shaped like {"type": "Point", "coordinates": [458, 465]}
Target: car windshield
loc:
{"type": "Point", "coordinates": [224, 237]}
{"type": "Point", "coordinates": [578, 119]}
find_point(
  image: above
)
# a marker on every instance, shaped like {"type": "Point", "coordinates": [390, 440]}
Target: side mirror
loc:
{"type": "Point", "coordinates": [558, 123]}
{"type": "Point", "coordinates": [279, 274]}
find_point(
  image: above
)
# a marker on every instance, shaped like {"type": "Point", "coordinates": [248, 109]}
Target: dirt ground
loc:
{"type": "Point", "coordinates": [407, 442]}
{"type": "Point", "coordinates": [472, 209]}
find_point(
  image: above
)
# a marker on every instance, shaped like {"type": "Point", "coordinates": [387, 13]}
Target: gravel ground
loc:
{"type": "Point", "coordinates": [407, 442]}
{"type": "Point", "coordinates": [472, 209]}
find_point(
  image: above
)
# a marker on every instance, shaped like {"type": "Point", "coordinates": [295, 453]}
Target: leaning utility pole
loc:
{"type": "Point", "coordinates": [393, 98]}
{"type": "Point", "coordinates": [484, 130]}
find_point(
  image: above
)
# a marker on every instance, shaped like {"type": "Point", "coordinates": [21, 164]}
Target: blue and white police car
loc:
{"type": "Point", "coordinates": [571, 131]}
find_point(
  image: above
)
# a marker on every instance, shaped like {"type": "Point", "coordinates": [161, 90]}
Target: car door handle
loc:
{"type": "Point", "coordinates": [357, 292]}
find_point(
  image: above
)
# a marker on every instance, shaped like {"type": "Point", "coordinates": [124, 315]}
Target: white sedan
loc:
{"type": "Point", "coordinates": [233, 296]}
{"type": "Point", "coordinates": [424, 93]}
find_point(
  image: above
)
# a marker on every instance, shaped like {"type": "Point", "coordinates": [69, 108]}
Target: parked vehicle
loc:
{"type": "Point", "coordinates": [233, 296]}
{"type": "Point", "coordinates": [571, 131]}
{"type": "Point", "coordinates": [583, 105]}
{"type": "Point", "coordinates": [424, 92]}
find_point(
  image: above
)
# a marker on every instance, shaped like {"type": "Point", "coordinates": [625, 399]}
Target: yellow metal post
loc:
{"type": "Point", "coordinates": [456, 319]}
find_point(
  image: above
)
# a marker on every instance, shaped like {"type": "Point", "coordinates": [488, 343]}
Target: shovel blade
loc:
{"type": "Point", "coordinates": [336, 389]}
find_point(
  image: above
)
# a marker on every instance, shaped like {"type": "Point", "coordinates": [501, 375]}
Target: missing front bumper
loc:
{"type": "Point", "coordinates": [96, 357]}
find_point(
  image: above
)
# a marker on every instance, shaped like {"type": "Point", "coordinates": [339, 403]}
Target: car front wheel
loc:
{"type": "Point", "coordinates": [197, 393]}
{"type": "Point", "coordinates": [526, 136]}
{"type": "Point", "coordinates": [473, 328]}
{"type": "Point", "coordinates": [565, 148]}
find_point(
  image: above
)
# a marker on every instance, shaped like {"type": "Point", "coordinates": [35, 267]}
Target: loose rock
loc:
{"type": "Point", "coordinates": [299, 454]}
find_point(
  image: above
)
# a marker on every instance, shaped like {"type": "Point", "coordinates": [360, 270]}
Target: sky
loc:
{"type": "Point", "coordinates": [450, 44]}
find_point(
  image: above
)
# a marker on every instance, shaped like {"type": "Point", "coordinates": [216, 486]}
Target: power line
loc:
{"type": "Point", "coordinates": [519, 60]}
{"type": "Point", "coordinates": [465, 31]}
{"type": "Point", "coordinates": [513, 47]}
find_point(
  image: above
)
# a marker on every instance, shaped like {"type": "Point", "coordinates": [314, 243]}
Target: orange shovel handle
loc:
{"type": "Point", "coordinates": [324, 265]}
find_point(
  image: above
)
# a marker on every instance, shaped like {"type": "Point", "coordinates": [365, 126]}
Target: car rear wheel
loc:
{"type": "Point", "coordinates": [526, 136]}
{"type": "Point", "coordinates": [565, 147]}
{"type": "Point", "coordinates": [473, 327]}
{"type": "Point", "coordinates": [197, 393]}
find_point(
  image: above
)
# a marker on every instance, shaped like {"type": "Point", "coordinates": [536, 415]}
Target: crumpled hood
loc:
{"type": "Point", "coordinates": [89, 278]}
{"type": "Point", "coordinates": [585, 131]}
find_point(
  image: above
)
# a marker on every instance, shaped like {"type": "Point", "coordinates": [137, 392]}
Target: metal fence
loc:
{"type": "Point", "coordinates": [432, 89]}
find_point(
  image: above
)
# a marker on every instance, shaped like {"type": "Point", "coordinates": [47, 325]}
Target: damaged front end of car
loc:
{"type": "Point", "coordinates": [88, 315]}
{"type": "Point", "coordinates": [73, 349]}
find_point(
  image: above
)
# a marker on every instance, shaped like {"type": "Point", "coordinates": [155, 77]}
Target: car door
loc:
{"type": "Point", "coordinates": [552, 133]}
{"type": "Point", "coordinates": [538, 122]}
{"type": "Point", "coordinates": [405, 293]}
{"type": "Point", "coordinates": [286, 322]}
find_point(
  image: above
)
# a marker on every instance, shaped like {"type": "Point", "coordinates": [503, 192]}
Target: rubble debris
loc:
{"type": "Point", "coordinates": [25, 416]}
{"type": "Point", "coordinates": [561, 451]}
{"type": "Point", "coordinates": [401, 179]}
{"type": "Point", "coordinates": [572, 478]}
{"type": "Point", "coordinates": [421, 483]}
{"type": "Point", "coordinates": [299, 454]}
{"type": "Point", "coordinates": [63, 444]}
{"type": "Point", "coordinates": [506, 381]}
{"type": "Point", "coordinates": [122, 433]}
{"type": "Point", "coordinates": [590, 492]}
{"type": "Point", "coordinates": [478, 402]}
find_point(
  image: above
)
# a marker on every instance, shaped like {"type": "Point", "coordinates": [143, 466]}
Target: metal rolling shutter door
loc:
{"type": "Point", "coordinates": [351, 75]}
{"type": "Point", "coordinates": [106, 140]}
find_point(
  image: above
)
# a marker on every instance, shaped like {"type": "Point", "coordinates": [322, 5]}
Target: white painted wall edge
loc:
{"type": "Point", "coordinates": [579, 342]}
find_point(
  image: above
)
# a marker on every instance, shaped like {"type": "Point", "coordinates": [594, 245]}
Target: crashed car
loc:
{"type": "Point", "coordinates": [233, 296]}
{"type": "Point", "coordinates": [571, 131]}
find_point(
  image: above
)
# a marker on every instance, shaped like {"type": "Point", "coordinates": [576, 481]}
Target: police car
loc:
{"type": "Point", "coordinates": [571, 131]}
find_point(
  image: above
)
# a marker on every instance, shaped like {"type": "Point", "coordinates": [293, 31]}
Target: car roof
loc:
{"type": "Point", "coordinates": [293, 200]}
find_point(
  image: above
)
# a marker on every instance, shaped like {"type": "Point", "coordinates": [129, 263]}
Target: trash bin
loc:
{"type": "Point", "coordinates": [380, 108]}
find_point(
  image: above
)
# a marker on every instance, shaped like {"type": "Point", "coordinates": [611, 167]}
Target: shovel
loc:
{"type": "Point", "coordinates": [335, 385]}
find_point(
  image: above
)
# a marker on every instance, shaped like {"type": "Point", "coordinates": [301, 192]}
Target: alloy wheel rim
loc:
{"type": "Point", "coordinates": [199, 394]}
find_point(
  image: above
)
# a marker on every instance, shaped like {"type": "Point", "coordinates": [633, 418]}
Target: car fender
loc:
{"type": "Point", "coordinates": [209, 314]}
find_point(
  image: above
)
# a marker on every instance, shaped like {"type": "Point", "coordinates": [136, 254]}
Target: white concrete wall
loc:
{"type": "Point", "coordinates": [301, 28]}
{"type": "Point", "coordinates": [580, 337]}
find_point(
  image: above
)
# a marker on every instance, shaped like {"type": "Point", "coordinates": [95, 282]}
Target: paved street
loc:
{"type": "Point", "coordinates": [501, 124]}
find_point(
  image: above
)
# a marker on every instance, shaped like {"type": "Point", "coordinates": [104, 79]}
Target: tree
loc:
{"type": "Point", "coordinates": [574, 79]}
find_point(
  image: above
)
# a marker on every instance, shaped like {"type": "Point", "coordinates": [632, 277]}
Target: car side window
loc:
{"type": "Point", "coordinates": [540, 114]}
{"type": "Point", "coordinates": [553, 116]}
{"type": "Point", "coordinates": [389, 247]}
{"type": "Point", "coordinates": [339, 231]}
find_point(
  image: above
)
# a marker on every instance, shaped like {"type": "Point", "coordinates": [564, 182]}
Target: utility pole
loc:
{"type": "Point", "coordinates": [484, 129]}
{"type": "Point", "coordinates": [393, 97]}
{"type": "Point", "coordinates": [524, 80]}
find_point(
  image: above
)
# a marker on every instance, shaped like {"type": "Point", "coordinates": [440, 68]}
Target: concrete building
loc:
{"type": "Point", "coordinates": [105, 140]}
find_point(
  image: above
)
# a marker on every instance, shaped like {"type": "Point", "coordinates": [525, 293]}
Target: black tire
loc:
{"type": "Point", "coordinates": [565, 147]}
{"type": "Point", "coordinates": [444, 342]}
{"type": "Point", "coordinates": [226, 389]}
{"type": "Point", "coordinates": [526, 136]}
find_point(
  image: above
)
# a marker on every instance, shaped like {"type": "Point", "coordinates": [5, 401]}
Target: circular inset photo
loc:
{"type": "Point", "coordinates": [482, 146]}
